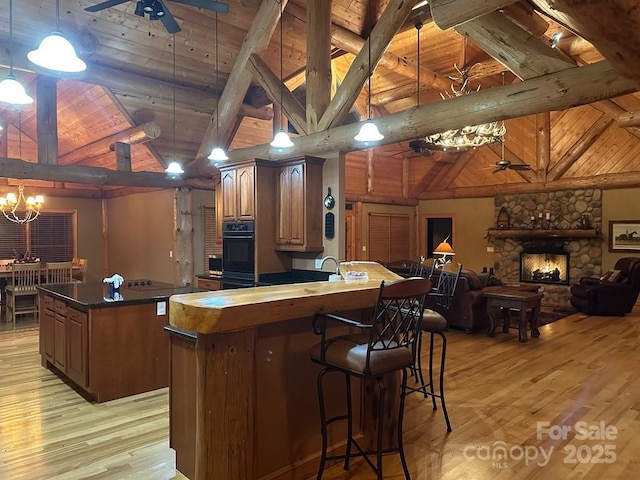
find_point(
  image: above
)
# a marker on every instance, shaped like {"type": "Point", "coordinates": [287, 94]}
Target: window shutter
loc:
{"type": "Point", "coordinates": [210, 230]}
{"type": "Point", "coordinates": [51, 237]}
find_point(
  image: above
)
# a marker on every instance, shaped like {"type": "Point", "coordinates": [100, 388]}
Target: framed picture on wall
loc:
{"type": "Point", "coordinates": [624, 235]}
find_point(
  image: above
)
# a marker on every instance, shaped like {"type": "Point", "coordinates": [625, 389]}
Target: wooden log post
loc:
{"type": "Point", "coordinates": [123, 156]}
{"type": "Point", "coordinates": [318, 70]}
{"type": "Point", "coordinates": [183, 236]}
{"type": "Point", "coordinates": [543, 144]}
{"type": "Point", "coordinates": [47, 120]}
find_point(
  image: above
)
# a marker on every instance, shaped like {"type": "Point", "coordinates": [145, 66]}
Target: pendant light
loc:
{"type": "Point", "coordinates": [217, 154]}
{"type": "Point", "coordinates": [174, 168]}
{"type": "Point", "coordinates": [56, 52]}
{"type": "Point", "coordinates": [368, 131]}
{"type": "Point", "coordinates": [281, 139]}
{"type": "Point", "coordinates": [12, 91]}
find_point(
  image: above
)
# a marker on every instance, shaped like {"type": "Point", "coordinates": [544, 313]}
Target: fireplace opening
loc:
{"type": "Point", "coordinates": [544, 267]}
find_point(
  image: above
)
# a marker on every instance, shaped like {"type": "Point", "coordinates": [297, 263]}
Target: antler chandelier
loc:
{"type": "Point", "coordinates": [471, 136]}
{"type": "Point", "coordinates": [12, 204]}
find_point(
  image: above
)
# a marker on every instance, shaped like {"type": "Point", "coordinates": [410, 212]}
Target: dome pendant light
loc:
{"type": "Point", "coordinates": [12, 91]}
{"type": "Point", "coordinates": [217, 154]}
{"type": "Point", "coordinates": [56, 52]}
{"type": "Point", "coordinates": [368, 131]}
{"type": "Point", "coordinates": [281, 139]}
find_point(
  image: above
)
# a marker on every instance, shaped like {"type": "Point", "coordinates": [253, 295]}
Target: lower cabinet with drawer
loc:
{"type": "Point", "coordinates": [209, 283]}
{"type": "Point", "coordinates": [107, 352]}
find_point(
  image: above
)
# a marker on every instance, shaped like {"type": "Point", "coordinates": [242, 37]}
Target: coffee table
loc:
{"type": "Point", "coordinates": [504, 301]}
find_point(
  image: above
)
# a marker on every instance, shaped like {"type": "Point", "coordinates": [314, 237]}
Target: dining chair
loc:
{"type": "Point", "coordinates": [59, 272]}
{"type": "Point", "coordinates": [22, 295]}
{"type": "Point", "coordinates": [79, 269]}
{"type": "Point", "coordinates": [383, 347]}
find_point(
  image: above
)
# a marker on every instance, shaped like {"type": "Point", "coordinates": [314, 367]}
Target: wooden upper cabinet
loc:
{"type": "Point", "coordinates": [299, 206]}
{"type": "Point", "coordinates": [238, 197]}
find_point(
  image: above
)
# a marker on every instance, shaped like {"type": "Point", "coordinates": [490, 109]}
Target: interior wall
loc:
{"type": "Point", "coordinates": [618, 204]}
{"type": "Point", "coordinates": [140, 236]}
{"type": "Point", "coordinates": [472, 217]}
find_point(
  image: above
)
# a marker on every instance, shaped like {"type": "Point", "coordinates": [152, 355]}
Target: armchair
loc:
{"type": "Point", "coordinates": [595, 296]}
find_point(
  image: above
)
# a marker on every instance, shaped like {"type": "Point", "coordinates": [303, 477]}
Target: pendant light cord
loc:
{"type": "Point", "coordinates": [57, 15]}
{"type": "Point", "coordinates": [10, 37]}
{"type": "Point", "coordinates": [173, 38]}
{"type": "Point", "coordinates": [281, 69]}
{"type": "Point", "coordinates": [217, 87]}
{"type": "Point", "coordinates": [418, 27]}
{"type": "Point", "coordinates": [20, 134]}
{"type": "Point", "coordinates": [369, 63]}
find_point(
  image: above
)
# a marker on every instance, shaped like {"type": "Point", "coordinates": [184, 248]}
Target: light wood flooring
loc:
{"type": "Point", "coordinates": [581, 369]}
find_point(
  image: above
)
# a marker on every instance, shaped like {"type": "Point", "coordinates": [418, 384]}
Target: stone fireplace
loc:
{"type": "Point", "coordinates": [549, 225]}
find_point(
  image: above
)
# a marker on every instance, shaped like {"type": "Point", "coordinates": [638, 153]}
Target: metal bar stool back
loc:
{"type": "Point", "coordinates": [383, 346]}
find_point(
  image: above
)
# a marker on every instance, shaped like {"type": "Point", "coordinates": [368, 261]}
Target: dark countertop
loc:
{"type": "Point", "coordinates": [294, 276]}
{"type": "Point", "coordinates": [94, 294]}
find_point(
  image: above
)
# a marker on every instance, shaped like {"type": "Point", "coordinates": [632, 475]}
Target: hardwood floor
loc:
{"type": "Point", "coordinates": [581, 369]}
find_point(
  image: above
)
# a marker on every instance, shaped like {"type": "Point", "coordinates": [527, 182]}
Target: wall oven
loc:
{"type": "Point", "coordinates": [238, 254]}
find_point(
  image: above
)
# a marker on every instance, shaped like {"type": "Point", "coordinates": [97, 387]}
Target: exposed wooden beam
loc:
{"type": "Point", "coordinates": [318, 69]}
{"type": "Point", "coordinates": [124, 82]}
{"type": "Point", "coordinates": [628, 119]}
{"type": "Point", "coordinates": [455, 168]}
{"type": "Point", "coordinates": [139, 134]}
{"type": "Point", "coordinates": [256, 41]}
{"type": "Point", "coordinates": [123, 156]}
{"type": "Point", "coordinates": [15, 168]}
{"type": "Point", "coordinates": [525, 55]}
{"type": "Point", "coordinates": [391, 19]}
{"type": "Point", "coordinates": [523, 14]}
{"type": "Point", "coordinates": [611, 25]}
{"type": "Point", "coordinates": [449, 13]}
{"type": "Point", "coordinates": [274, 89]}
{"type": "Point", "coordinates": [564, 89]}
{"type": "Point", "coordinates": [381, 199]}
{"type": "Point", "coordinates": [607, 181]}
{"type": "Point", "coordinates": [587, 139]}
{"type": "Point", "coordinates": [47, 120]}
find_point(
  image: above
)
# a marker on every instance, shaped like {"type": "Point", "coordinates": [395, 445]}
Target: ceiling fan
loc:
{"type": "Point", "coordinates": [503, 164]}
{"type": "Point", "coordinates": [417, 146]}
{"type": "Point", "coordinates": [157, 10]}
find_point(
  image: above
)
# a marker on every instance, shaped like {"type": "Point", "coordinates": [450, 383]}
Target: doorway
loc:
{"type": "Point", "coordinates": [436, 230]}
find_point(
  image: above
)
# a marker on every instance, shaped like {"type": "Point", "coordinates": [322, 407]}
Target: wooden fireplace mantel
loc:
{"type": "Point", "coordinates": [532, 233]}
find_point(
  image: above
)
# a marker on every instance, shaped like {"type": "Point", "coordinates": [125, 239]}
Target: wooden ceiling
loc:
{"type": "Point", "coordinates": [138, 73]}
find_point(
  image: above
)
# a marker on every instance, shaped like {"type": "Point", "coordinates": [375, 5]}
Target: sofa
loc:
{"type": "Point", "coordinates": [615, 293]}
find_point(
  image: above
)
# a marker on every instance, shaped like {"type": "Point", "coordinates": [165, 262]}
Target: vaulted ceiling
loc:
{"type": "Point", "coordinates": [140, 75]}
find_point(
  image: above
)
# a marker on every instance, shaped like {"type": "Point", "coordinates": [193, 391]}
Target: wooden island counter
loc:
{"type": "Point", "coordinates": [255, 386]}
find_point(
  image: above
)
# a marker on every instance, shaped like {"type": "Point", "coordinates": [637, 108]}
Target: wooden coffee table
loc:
{"type": "Point", "coordinates": [504, 301]}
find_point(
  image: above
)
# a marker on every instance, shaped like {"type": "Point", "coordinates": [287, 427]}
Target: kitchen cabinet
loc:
{"type": "Point", "coordinates": [47, 322]}
{"type": "Point", "coordinates": [209, 284]}
{"type": "Point", "coordinates": [299, 206]}
{"type": "Point", "coordinates": [77, 336]}
{"type": "Point", "coordinates": [238, 195]}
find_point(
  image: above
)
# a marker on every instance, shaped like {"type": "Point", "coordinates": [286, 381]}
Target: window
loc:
{"type": "Point", "coordinates": [51, 237]}
{"type": "Point", "coordinates": [389, 237]}
{"type": "Point", "coordinates": [209, 229]}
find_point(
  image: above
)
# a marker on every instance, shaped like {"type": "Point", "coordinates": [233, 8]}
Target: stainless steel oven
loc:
{"type": "Point", "coordinates": [238, 254]}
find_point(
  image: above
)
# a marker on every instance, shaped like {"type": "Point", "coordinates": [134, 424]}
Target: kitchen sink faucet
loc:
{"type": "Point", "coordinates": [329, 257]}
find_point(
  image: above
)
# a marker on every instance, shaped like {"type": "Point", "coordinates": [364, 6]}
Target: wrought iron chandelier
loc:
{"type": "Point", "coordinates": [470, 136]}
{"type": "Point", "coordinates": [12, 204]}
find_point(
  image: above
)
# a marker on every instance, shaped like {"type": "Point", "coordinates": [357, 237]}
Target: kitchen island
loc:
{"type": "Point", "coordinates": [255, 386]}
{"type": "Point", "coordinates": [108, 346]}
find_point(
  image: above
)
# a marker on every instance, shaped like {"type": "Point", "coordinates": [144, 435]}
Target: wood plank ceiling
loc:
{"type": "Point", "coordinates": [139, 73]}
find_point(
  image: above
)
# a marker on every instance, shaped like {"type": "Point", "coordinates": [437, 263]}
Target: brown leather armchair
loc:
{"type": "Point", "coordinates": [594, 296]}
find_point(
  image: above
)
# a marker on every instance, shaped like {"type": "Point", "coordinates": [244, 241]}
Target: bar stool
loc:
{"type": "Point", "coordinates": [384, 347]}
{"type": "Point", "coordinates": [434, 323]}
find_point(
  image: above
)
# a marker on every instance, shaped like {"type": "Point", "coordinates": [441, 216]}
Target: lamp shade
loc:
{"type": "Point", "coordinates": [218, 155]}
{"type": "Point", "coordinates": [444, 249]}
{"type": "Point", "coordinates": [56, 53]}
{"type": "Point", "coordinates": [174, 168]}
{"type": "Point", "coordinates": [12, 91]}
{"type": "Point", "coordinates": [281, 140]}
{"type": "Point", "coordinates": [368, 133]}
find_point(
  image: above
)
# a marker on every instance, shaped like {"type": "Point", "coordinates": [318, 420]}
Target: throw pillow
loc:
{"type": "Point", "coordinates": [614, 277]}
{"type": "Point", "coordinates": [606, 275]}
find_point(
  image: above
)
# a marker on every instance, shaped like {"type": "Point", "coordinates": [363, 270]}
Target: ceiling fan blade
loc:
{"type": "Point", "coordinates": [498, 170]}
{"type": "Point", "coordinates": [168, 21]}
{"type": "Point", "coordinates": [519, 166]}
{"type": "Point", "coordinates": [212, 5]}
{"type": "Point", "coordinates": [101, 6]}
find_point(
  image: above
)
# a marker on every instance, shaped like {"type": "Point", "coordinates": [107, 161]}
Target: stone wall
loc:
{"type": "Point", "coordinates": [565, 209]}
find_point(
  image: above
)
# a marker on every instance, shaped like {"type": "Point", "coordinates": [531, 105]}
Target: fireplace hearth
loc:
{"type": "Point", "coordinates": [544, 267]}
